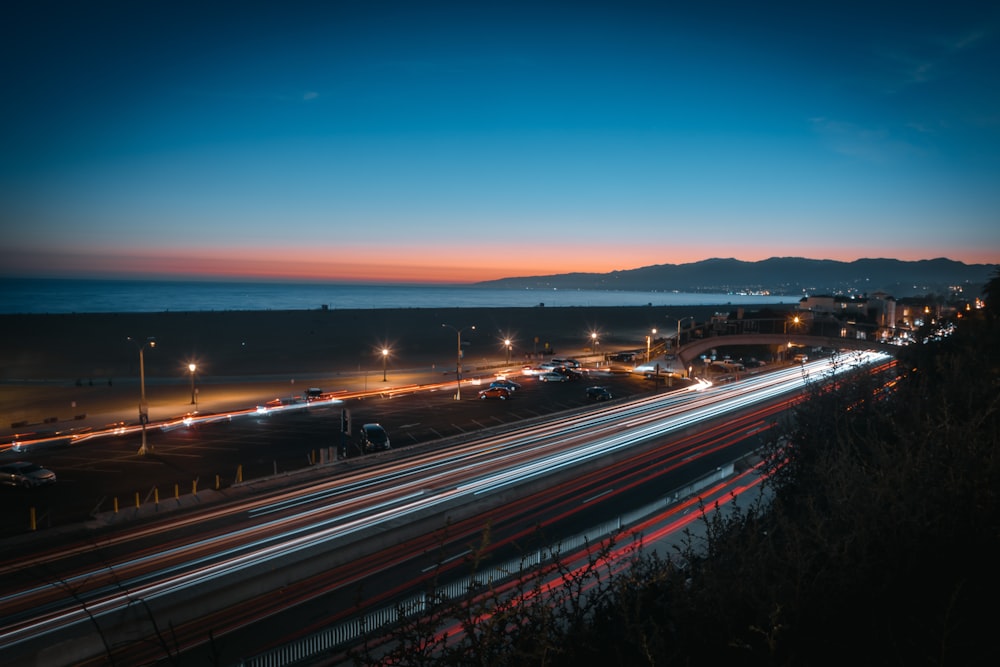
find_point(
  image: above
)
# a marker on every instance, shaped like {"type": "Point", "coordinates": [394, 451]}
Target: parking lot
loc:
{"type": "Point", "coordinates": [94, 473]}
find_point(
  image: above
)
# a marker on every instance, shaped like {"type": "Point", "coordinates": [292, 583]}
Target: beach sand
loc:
{"type": "Point", "coordinates": [77, 361]}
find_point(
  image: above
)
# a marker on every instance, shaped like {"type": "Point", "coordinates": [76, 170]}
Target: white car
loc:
{"type": "Point", "coordinates": [553, 377]}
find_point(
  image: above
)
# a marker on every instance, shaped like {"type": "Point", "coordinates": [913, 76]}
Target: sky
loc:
{"type": "Point", "coordinates": [370, 141]}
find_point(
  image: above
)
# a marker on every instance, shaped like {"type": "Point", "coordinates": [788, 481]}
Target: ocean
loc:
{"type": "Point", "coordinates": [51, 295]}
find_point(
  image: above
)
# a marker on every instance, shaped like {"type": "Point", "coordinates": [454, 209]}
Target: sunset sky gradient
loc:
{"type": "Point", "coordinates": [458, 142]}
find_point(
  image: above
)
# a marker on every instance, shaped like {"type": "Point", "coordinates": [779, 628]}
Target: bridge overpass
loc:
{"type": "Point", "coordinates": [689, 353]}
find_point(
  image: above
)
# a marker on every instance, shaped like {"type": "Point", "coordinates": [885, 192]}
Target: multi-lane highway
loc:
{"type": "Point", "coordinates": [227, 568]}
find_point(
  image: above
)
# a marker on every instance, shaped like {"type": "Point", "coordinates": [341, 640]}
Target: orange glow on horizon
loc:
{"type": "Point", "coordinates": [392, 265]}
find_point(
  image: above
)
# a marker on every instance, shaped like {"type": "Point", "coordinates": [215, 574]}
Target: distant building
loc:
{"type": "Point", "coordinates": [878, 316]}
{"type": "Point", "coordinates": [865, 317]}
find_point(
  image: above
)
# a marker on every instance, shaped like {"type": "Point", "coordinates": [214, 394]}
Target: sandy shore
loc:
{"type": "Point", "coordinates": [77, 361]}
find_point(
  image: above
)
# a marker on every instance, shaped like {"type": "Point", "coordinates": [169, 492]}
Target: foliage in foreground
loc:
{"type": "Point", "coordinates": [879, 546]}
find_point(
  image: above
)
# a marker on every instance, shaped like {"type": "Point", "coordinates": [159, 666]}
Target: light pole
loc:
{"type": "Point", "coordinates": [385, 355]}
{"type": "Point", "coordinates": [506, 343]}
{"type": "Point", "coordinates": [458, 358]}
{"type": "Point", "coordinates": [143, 406]}
{"type": "Point", "coordinates": [689, 317]}
{"type": "Point", "coordinates": [192, 367]}
{"type": "Point", "coordinates": [593, 343]}
{"type": "Point", "coordinates": [795, 325]}
{"type": "Point", "coordinates": [649, 340]}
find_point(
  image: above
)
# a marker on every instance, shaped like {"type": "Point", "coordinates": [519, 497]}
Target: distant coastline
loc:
{"type": "Point", "coordinates": [64, 296]}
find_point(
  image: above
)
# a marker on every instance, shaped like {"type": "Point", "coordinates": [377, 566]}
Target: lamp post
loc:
{"type": "Point", "coordinates": [143, 406]}
{"type": "Point", "coordinates": [795, 324]}
{"type": "Point", "coordinates": [458, 358]}
{"type": "Point", "coordinates": [593, 343]}
{"type": "Point", "coordinates": [689, 317]}
{"type": "Point", "coordinates": [506, 343]}
{"type": "Point", "coordinates": [649, 340]}
{"type": "Point", "coordinates": [385, 355]}
{"type": "Point", "coordinates": [192, 367]}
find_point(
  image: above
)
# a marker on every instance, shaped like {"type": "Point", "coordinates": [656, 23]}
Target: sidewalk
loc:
{"type": "Point", "coordinates": [42, 409]}
{"type": "Point", "coordinates": [57, 408]}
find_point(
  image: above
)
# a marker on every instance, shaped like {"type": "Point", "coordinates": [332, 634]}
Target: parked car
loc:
{"type": "Point", "coordinates": [495, 392]}
{"type": "Point", "coordinates": [374, 438]}
{"type": "Point", "coordinates": [599, 393]}
{"type": "Point", "coordinates": [801, 358]}
{"type": "Point", "coordinates": [509, 385]}
{"type": "Point", "coordinates": [552, 376]}
{"type": "Point", "coordinates": [25, 475]}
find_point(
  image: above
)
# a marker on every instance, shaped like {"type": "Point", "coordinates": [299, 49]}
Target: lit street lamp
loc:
{"type": "Point", "coordinates": [649, 340]}
{"type": "Point", "coordinates": [795, 325]}
{"type": "Point", "coordinates": [506, 342]}
{"type": "Point", "coordinates": [192, 367]}
{"type": "Point", "coordinates": [458, 358]}
{"type": "Point", "coordinates": [143, 406]}
{"type": "Point", "coordinates": [593, 343]}
{"type": "Point", "coordinates": [385, 355]}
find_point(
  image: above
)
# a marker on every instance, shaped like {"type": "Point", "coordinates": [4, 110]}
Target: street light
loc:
{"type": "Point", "coordinates": [506, 342]}
{"type": "Point", "coordinates": [649, 339]}
{"type": "Point", "coordinates": [593, 343]}
{"type": "Point", "coordinates": [689, 317]}
{"type": "Point", "coordinates": [192, 367]}
{"type": "Point", "coordinates": [458, 358]}
{"type": "Point", "coordinates": [143, 406]}
{"type": "Point", "coordinates": [795, 324]}
{"type": "Point", "coordinates": [385, 355]}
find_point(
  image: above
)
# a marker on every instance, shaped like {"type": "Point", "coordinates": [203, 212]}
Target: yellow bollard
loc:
{"type": "Point", "coordinates": [177, 491]}
{"type": "Point", "coordinates": [217, 482]}
{"type": "Point", "coordinates": [31, 520]}
{"type": "Point", "coordinates": [239, 473]}
{"type": "Point", "coordinates": [137, 500]}
{"type": "Point", "coordinates": [116, 504]}
{"type": "Point", "coordinates": [194, 487]}
{"type": "Point", "coordinates": [156, 495]}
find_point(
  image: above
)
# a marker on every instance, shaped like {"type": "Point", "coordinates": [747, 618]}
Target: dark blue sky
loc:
{"type": "Point", "coordinates": [466, 141]}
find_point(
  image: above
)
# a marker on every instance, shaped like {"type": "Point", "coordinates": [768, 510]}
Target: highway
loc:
{"type": "Point", "coordinates": [193, 571]}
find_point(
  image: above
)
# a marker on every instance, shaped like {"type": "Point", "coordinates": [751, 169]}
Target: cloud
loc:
{"type": "Point", "coordinates": [929, 59]}
{"type": "Point", "coordinates": [868, 145]}
{"type": "Point", "coordinates": [310, 95]}
{"type": "Point", "coordinates": [965, 41]}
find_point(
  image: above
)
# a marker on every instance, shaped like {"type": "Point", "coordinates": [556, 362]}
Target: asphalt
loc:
{"type": "Point", "coordinates": [55, 408]}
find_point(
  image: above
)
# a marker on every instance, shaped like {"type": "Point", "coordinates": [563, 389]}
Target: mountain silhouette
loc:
{"type": "Point", "coordinates": [780, 276]}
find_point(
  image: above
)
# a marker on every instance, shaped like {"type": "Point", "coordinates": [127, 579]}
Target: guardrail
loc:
{"type": "Point", "coordinates": [350, 631]}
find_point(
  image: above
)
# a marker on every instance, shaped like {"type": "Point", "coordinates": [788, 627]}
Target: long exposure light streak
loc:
{"type": "Point", "coordinates": [401, 489]}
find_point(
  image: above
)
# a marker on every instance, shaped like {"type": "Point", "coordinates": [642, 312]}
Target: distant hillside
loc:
{"type": "Point", "coordinates": [778, 275]}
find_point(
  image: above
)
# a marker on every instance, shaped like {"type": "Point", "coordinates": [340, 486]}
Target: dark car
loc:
{"type": "Point", "coordinates": [569, 373]}
{"type": "Point", "coordinates": [495, 392]}
{"type": "Point", "coordinates": [25, 475]}
{"type": "Point", "coordinates": [599, 393]}
{"type": "Point", "coordinates": [374, 438]}
{"type": "Point", "coordinates": [509, 385]}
